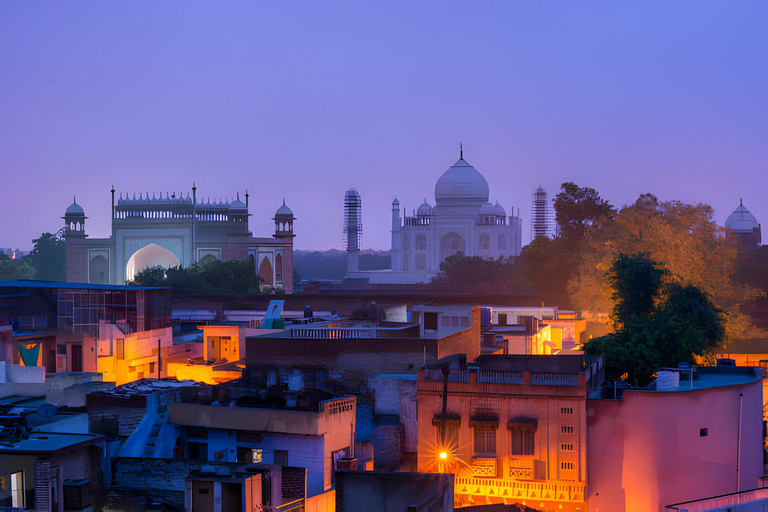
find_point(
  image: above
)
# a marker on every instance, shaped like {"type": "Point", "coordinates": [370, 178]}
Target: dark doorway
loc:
{"type": "Point", "coordinates": [76, 364]}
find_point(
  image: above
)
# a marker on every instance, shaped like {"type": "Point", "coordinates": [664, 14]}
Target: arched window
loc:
{"type": "Point", "coordinates": [502, 242]}
{"type": "Point", "coordinates": [265, 272]}
{"type": "Point", "coordinates": [421, 243]}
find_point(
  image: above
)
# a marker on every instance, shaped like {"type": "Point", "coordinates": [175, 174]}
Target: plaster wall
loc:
{"type": "Point", "coordinates": [647, 450]}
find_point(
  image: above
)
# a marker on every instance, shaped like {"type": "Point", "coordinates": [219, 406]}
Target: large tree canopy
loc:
{"type": "Point", "coordinates": [580, 209]}
{"type": "Point", "coordinates": [49, 257]}
{"type": "Point", "coordinates": [683, 238]}
{"type": "Point", "coordinates": [11, 269]}
{"type": "Point", "coordinates": [658, 324]}
{"type": "Point", "coordinates": [228, 277]}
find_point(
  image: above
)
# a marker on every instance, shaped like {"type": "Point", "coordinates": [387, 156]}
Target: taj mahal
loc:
{"type": "Point", "coordinates": [172, 231]}
{"type": "Point", "coordinates": [463, 220]}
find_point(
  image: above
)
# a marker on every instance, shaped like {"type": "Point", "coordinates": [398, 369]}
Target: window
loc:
{"type": "Point", "coordinates": [522, 442]}
{"type": "Point", "coordinates": [464, 321]}
{"type": "Point", "coordinates": [430, 321]}
{"type": "Point", "coordinates": [17, 489]}
{"type": "Point", "coordinates": [566, 429]}
{"type": "Point", "coordinates": [446, 321]}
{"type": "Point", "coordinates": [131, 369]}
{"type": "Point", "coordinates": [151, 368]}
{"type": "Point", "coordinates": [566, 465]}
{"type": "Point", "coordinates": [454, 321]}
{"type": "Point", "coordinates": [61, 350]}
{"type": "Point", "coordinates": [566, 447]}
{"type": "Point", "coordinates": [703, 432]}
{"type": "Point", "coordinates": [281, 457]}
{"type": "Point", "coordinates": [566, 410]}
{"type": "Point", "coordinates": [120, 349]}
{"type": "Point", "coordinates": [502, 319]}
{"type": "Point", "coordinates": [484, 441]}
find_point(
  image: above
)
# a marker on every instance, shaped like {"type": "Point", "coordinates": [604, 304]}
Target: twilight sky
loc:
{"type": "Point", "coordinates": [304, 100]}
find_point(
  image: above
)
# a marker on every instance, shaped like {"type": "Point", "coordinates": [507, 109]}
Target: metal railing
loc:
{"type": "Point", "coordinates": [499, 377]}
{"type": "Point", "coordinates": [517, 489]}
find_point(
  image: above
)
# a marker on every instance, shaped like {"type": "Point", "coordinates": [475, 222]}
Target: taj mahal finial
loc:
{"type": "Point", "coordinates": [461, 152]}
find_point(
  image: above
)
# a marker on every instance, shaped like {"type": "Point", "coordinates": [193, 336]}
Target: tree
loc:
{"type": "Point", "coordinates": [467, 272]}
{"type": "Point", "coordinates": [210, 276]}
{"type": "Point", "coordinates": [579, 210]}
{"type": "Point", "coordinates": [661, 325]}
{"type": "Point", "coordinates": [14, 269]}
{"type": "Point", "coordinates": [49, 257]}
{"type": "Point", "coordinates": [680, 237]}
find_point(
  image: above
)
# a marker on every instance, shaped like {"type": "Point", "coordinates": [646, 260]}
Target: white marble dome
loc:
{"type": "Point", "coordinates": [284, 210]}
{"type": "Point", "coordinates": [460, 185]}
{"type": "Point", "coordinates": [424, 209]}
{"type": "Point", "coordinates": [741, 220]}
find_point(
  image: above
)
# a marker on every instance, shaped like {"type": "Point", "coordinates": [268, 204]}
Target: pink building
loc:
{"type": "Point", "coordinates": [683, 440]}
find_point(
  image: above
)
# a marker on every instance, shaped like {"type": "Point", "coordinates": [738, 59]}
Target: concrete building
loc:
{"type": "Point", "coordinates": [513, 429]}
{"type": "Point", "coordinates": [676, 441]}
{"type": "Point", "coordinates": [393, 492]}
{"type": "Point", "coordinates": [314, 434]}
{"type": "Point", "coordinates": [70, 327]}
{"type": "Point", "coordinates": [172, 231]}
{"type": "Point", "coordinates": [49, 471]}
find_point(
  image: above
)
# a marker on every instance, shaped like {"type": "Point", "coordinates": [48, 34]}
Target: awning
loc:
{"type": "Point", "coordinates": [523, 423]}
{"type": "Point", "coordinates": [450, 417]}
{"type": "Point", "coordinates": [485, 420]}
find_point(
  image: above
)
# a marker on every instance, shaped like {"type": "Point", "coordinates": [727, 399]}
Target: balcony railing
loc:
{"type": "Point", "coordinates": [499, 377]}
{"type": "Point", "coordinates": [514, 489]}
{"type": "Point", "coordinates": [554, 379]}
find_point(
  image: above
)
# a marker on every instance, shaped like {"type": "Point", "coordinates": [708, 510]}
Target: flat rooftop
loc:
{"type": "Point", "coordinates": [707, 377]}
{"type": "Point", "coordinates": [23, 283]}
{"type": "Point", "coordinates": [45, 442]}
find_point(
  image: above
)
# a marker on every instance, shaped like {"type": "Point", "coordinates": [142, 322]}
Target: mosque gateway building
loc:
{"type": "Point", "coordinates": [171, 231]}
{"type": "Point", "coordinates": [463, 220]}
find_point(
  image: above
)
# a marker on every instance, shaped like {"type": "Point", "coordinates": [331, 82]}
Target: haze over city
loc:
{"type": "Point", "coordinates": [303, 101]}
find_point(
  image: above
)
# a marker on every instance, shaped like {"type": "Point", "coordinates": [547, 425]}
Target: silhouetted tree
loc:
{"type": "Point", "coordinates": [210, 276]}
{"type": "Point", "coordinates": [11, 269]}
{"type": "Point", "coordinates": [580, 209]}
{"type": "Point", "coordinates": [49, 257]}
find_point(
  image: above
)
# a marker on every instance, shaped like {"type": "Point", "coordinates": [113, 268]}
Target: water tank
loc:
{"type": "Point", "coordinates": [668, 381]}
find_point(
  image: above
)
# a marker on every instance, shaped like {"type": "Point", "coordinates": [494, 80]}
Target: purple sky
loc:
{"type": "Point", "coordinates": [304, 100]}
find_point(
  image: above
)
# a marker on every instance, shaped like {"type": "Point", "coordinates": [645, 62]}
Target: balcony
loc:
{"type": "Point", "coordinates": [555, 491]}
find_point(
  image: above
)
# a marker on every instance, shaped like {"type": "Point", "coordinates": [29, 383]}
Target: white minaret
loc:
{"type": "Point", "coordinates": [352, 234]}
{"type": "Point", "coordinates": [397, 253]}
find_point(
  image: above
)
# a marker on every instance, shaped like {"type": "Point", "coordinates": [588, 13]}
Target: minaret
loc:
{"type": "Point", "coordinates": [352, 234]}
{"type": "Point", "coordinates": [397, 253]}
{"type": "Point", "coordinates": [541, 216]}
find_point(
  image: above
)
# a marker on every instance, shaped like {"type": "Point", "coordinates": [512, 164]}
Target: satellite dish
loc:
{"type": "Point", "coordinates": [47, 411]}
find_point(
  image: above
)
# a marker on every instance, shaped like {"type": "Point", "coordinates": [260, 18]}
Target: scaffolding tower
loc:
{"type": "Point", "coordinates": [352, 234]}
{"type": "Point", "coordinates": [541, 215]}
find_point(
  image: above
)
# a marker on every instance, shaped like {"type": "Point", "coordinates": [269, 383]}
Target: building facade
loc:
{"type": "Point", "coordinates": [171, 231]}
{"type": "Point", "coordinates": [513, 429]}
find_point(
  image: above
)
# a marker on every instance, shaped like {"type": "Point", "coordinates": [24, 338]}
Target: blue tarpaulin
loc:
{"type": "Point", "coordinates": [30, 354]}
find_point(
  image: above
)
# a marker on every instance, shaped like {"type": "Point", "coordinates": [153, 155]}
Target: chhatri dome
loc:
{"type": "Point", "coordinates": [461, 185]}
{"type": "Point", "coordinates": [284, 210]}
{"type": "Point", "coordinates": [74, 209]}
{"type": "Point", "coordinates": [741, 220]}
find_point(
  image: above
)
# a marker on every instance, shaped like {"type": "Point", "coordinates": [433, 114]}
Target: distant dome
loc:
{"type": "Point", "coordinates": [488, 209]}
{"type": "Point", "coordinates": [460, 185]}
{"type": "Point", "coordinates": [424, 209]}
{"type": "Point", "coordinates": [741, 221]}
{"type": "Point", "coordinates": [500, 211]}
{"type": "Point", "coordinates": [284, 210]}
{"type": "Point", "coordinates": [75, 209]}
{"type": "Point", "coordinates": [238, 205]}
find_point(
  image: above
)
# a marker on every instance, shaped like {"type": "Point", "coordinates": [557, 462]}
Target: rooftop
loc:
{"type": "Point", "coordinates": [24, 283]}
{"type": "Point", "coordinates": [45, 442]}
